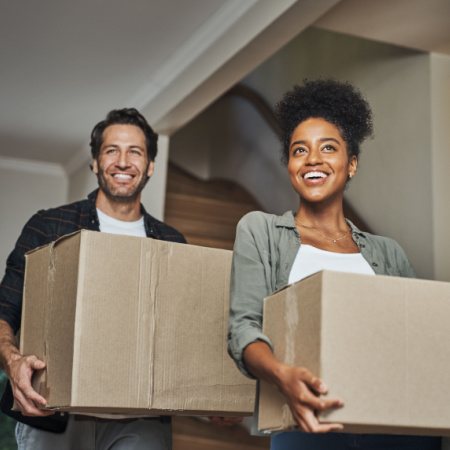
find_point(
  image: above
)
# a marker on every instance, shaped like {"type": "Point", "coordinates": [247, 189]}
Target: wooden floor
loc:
{"type": "Point", "coordinates": [190, 433]}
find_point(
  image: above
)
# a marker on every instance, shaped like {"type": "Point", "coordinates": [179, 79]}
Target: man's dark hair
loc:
{"type": "Point", "coordinates": [337, 102]}
{"type": "Point", "coordinates": [125, 116]}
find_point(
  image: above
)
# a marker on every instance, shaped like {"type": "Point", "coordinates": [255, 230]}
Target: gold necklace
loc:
{"type": "Point", "coordinates": [317, 231]}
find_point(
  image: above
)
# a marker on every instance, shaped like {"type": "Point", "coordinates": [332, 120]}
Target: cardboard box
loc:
{"type": "Point", "coordinates": [133, 326]}
{"type": "Point", "coordinates": [380, 343]}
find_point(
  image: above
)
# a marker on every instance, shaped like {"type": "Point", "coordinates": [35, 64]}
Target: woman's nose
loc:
{"type": "Point", "coordinates": [314, 157]}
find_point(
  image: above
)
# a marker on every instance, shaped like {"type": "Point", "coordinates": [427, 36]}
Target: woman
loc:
{"type": "Point", "coordinates": [324, 122]}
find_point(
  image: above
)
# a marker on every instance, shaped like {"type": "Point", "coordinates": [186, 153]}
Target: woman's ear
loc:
{"type": "Point", "coordinates": [352, 165]}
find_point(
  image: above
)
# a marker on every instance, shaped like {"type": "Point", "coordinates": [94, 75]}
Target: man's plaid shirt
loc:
{"type": "Point", "coordinates": [47, 226]}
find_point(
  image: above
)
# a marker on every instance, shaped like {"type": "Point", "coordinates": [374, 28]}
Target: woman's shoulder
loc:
{"type": "Point", "coordinates": [382, 241]}
{"type": "Point", "coordinates": [383, 244]}
{"type": "Point", "coordinates": [263, 220]}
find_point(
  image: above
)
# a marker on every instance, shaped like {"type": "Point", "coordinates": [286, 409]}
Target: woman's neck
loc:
{"type": "Point", "coordinates": [327, 218]}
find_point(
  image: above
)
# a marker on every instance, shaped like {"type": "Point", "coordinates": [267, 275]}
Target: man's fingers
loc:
{"type": "Point", "coordinates": [24, 387]}
{"type": "Point", "coordinates": [28, 408]}
{"type": "Point", "coordinates": [37, 364]}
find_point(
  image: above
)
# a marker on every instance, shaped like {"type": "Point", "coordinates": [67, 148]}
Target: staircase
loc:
{"type": "Point", "coordinates": [206, 212]}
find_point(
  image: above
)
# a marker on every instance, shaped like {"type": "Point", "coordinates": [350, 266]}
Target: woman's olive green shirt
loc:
{"type": "Point", "coordinates": [264, 251]}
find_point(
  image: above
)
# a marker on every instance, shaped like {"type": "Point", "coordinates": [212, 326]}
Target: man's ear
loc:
{"type": "Point", "coordinates": [95, 166]}
{"type": "Point", "coordinates": [150, 168]}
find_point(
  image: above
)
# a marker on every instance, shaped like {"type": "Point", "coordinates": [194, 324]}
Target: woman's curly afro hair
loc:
{"type": "Point", "coordinates": [337, 102]}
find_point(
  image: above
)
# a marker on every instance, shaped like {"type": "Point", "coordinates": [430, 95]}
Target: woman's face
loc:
{"type": "Point", "coordinates": [318, 161]}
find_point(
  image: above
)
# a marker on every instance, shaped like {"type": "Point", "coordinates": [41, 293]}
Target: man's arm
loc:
{"type": "Point", "coordinates": [19, 369]}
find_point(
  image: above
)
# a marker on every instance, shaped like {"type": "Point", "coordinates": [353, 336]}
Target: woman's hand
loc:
{"type": "Point", "coordinates": [302, 390]}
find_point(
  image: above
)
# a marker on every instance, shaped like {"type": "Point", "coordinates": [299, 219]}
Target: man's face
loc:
{"type": "Point", "coordinates": [122, 167]}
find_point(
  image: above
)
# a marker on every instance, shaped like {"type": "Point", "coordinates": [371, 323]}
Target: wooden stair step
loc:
{"type": "Point", "coordinates": [199, 227]}
{"type": "Point", "coordinates": [183, 205]}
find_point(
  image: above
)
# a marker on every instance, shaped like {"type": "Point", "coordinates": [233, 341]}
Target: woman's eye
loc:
{"type": "Point", "coordinates": [329, 148]}
{"type": "Point", "coordinates": [298, 150]}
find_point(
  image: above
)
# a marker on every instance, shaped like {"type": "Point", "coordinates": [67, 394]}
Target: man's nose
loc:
{"type": "Point", "coordinates": [122, 160]}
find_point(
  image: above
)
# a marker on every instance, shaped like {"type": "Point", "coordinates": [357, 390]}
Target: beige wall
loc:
{"type": "Point", "coordinates": [393, 188]}
{"type": "Point", "coordinates": [440, 120]}
{"type": "Point", "coordinates": [24, 191]}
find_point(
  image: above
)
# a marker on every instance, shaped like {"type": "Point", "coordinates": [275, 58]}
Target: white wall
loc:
{"type": "Point", "coordinates": [440, 119]}
{"type": "Point", "coordinates": [392, 191]}
{"type": "Point", "coordinates": [25, 188]}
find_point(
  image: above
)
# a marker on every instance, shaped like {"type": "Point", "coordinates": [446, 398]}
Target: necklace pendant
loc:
{"type": "Point", "coordinates": [334, 240]}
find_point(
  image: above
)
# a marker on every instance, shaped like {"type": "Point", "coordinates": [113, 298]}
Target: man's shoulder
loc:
{"type": "Point", "coordinates": [61, 220]}
{"type": "Point", "coordinates": [78, 207]}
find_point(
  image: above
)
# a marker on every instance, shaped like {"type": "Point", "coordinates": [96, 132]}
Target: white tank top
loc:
{"type": "Point", "coordinates": [310, 260]}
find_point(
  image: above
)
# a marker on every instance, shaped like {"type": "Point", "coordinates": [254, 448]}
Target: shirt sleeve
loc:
{"type": "Point", "coordinates": [11, 288]}
{"type": "Point", "coordinates": [249, 286]}
{"type": "Point", "coordinates": [403, 263]}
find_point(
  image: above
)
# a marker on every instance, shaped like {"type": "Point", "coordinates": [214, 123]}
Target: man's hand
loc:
{"type": "Point", "coordinates": [20, 371]}
{"type": "Point", "coordinates": [225, 421]}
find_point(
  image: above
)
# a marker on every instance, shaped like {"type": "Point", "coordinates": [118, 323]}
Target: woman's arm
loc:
{"type": "Point", "coordinates": [252, 279]}
{"type": "Point", "coordinates": [301, 388]}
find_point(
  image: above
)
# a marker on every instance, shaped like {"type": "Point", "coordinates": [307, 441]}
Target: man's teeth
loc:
{"type": "Point", "coordinates": [122, 176]}
{"type": "Point", "coordinates": [315, 175]}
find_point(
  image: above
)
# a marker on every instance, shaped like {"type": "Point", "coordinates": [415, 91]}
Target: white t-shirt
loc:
{"type": "Point", "coordinates": [110, 225]}
{"type": "Point", "coordinates": [310, 260]}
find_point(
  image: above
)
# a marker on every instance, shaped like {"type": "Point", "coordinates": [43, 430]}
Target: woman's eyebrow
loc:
{"type": "Point", "coordinates": [324, 139]}
{"type": "Point", "coordinates": [329, 139]}
{"type": "Point", "coordinates": [298, 142]}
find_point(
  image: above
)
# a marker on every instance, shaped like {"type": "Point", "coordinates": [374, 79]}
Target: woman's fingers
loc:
{"type": "Point", "coordinates": [309, 423]}
{"type": "Point", "coordinates": [304, 394]}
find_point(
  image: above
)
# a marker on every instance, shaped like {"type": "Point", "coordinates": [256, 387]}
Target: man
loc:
{"type": "Point", "coordinates": [123, 149]}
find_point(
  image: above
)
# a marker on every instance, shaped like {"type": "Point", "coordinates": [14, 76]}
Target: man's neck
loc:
{"type": "Point", "coordinates": [125, 211]}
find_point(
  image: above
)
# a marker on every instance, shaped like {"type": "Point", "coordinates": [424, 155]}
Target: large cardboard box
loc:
{"type": "Point", "coordinates": [132, 325]}
{"type": "Point", "coordinates": [380, 343]}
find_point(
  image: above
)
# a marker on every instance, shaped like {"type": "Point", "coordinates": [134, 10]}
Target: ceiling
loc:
{"type": "Point", "coordinates": [64, 64]}
{"type": "Point", "coordinates": [417, 24]}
